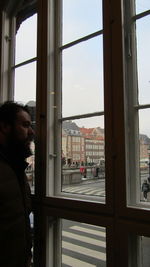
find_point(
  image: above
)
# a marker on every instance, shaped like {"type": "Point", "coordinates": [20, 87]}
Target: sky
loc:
{"type": "Point", "coordinates": [83, 63]}
{"type": "Point", "coordinates": [82, 77]}
{"type": "Point", "coordinates": [143, 59]}
{"type": "Point", "coordinates": [142, 5]}
{"type": "Point", "coordinates": [25, 77]}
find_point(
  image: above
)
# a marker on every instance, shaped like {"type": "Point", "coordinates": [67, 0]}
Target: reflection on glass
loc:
{"type": "Point", "coordinates": [26, 40]}
{"type": "Point", "coordinates": [142, 5]}
{"type": "Point", "coordinates": [81, 18]}
{"type": "Point", "coordinates": [143, 58]}
{"type": "Point", "coordinates": [83, 78]}
{"type": "Point", "coordinates": [144, 161]}
{"type": "Point", "coordinates": [83, 244]}
{"type": "Point", "coordinates": [83, 157]}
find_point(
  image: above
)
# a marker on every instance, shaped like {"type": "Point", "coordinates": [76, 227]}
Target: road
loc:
{"type": "Point", "coordinates": [91, 187]}
{"type": "Point", "coordinates": [96, 187]}
{"type": "Point", "coordinates": [83, 245]}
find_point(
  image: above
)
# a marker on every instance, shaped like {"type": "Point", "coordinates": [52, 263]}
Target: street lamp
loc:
{"type": "Point", "coordinates": [149, 163]}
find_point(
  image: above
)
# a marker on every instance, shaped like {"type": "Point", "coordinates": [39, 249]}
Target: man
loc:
{"type": "Point", "coordinates": [145, 189]}
{"type": "Point", "coordinates": [16, 134]}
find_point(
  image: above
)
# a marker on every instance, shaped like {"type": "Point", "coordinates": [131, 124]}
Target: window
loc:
{"type": "Point", "coordinates": [92, 130]}
{"type": "Point", "coordinates": [137, 25]}
{"type": "Point", "coordinates": [24, 69]}
{"type": "Point", "coordinates": [72, 235]}
{"type": "Point", "coordinates": [79, 81]}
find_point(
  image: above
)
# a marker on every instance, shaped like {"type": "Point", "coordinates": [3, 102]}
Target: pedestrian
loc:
{"type": "Point", "coordinates": [81, 170]}
{"type": "Point", "coordinates": [97, 172]}
{"type": "Point", "coordinates": [16, 134]}
{"type": "Point", "coordinates": [145, 189]}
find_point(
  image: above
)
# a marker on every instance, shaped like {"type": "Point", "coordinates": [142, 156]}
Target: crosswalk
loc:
{"type": "Point", "coordinates": [83, 245]}
{"type": "Point", "coordinates": [96, 191]}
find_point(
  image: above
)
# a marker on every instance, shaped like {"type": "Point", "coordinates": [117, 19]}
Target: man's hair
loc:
{"type": "Point", "coordinates": [9, 110]}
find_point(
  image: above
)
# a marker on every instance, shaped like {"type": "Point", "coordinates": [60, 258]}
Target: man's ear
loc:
{"type": "Point", "coordinates": [5, 128]}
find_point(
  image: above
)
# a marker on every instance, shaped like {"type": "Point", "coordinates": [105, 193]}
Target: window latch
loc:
{"type": "Point", "coordinates": [129, 46]}
{"type": "Point", "coordinates": [7, 38]}
{"type": "Point", "coordinates": [52, 155]}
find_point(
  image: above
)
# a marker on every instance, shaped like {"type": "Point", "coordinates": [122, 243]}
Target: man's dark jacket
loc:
{"type": "Point", "coordinates": [15, 237]}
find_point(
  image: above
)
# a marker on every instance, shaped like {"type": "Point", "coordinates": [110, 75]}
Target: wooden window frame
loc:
{"type": "Point", "coordinates": [118, 218]}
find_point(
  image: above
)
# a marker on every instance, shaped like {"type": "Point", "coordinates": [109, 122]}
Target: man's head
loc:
{"type": "Point", "coordinates": [16, 132]}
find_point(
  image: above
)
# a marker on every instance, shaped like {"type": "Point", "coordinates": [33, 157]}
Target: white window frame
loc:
{"type": "Point", "coordinates": [57, 112]}
{"type": "Point", "coordinates": [132, 106]}
{"type": "Point", "coordinates": [7, 56]}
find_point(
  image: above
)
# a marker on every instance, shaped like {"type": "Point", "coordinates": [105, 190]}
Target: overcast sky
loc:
{"type": "Point", "coordinates": [83, 64]}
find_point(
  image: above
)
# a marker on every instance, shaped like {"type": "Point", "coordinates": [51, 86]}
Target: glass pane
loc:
{"type": "Point", "coordinates": [83, 157]}
{"type": "Point", "coordinates": [143, 59]}
{"type": "Point", "coordinates": [25, 83]}
{"type": "Point", "coordinates": [83, 244]}
{"type": "Point", "coordinates": [32, 234]}
{"type": "Point", "coordinates": [144, 140]}
{"type": "Point", "coordinates": [30, 171]}
{"type": "Point", "coordinates": [142, 5]}
{"type": "Point", "coordinates": [139, 251]}
{"type": "Point", "coordinates": [26, 40]}
{"type": "Point", "coordinates": [25, 92]}
{"type": "Point", "coordinates": [81, 18]}
{"type": "Point", "coordinates": [83, 78]}
{"type": "Point", "coordinates": [145, 245]}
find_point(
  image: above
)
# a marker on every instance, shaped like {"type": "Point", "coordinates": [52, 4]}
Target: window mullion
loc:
{"type": "Point", "coordinates": [131, 93]}
{"type": "Point", "coordinates": [7, 57]}
{"type": "Point", "coordinates": [58, 94]}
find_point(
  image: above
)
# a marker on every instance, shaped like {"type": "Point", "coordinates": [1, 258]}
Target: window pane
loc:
{"type": "Point", "coordinates": [83, 78]}
{"type": "Point", "coordinates": [139, 250]}
{"type": "Point", "coordinates": [30, 171]}
{"type": "Point", "coordinates": [142, 5]}
{"type": "Point", "coordinates": [144, 140]}
{"type": "Point", "coordinates": [83, 244]}
{"type": "Point", "coordinates": [32, 234]}
{"type": "Point", "coordinates": [143, 59]}
{"type": "Point", "coordinates": [83, 157]}
{"type": "Point", "coordinates": [145, 244]}
{"type": "Point", "coordinates": [25, 92]}
{"type": "Point", "coordinates": [25, 83]}
{"type": "Point", "coordinates": [26, 40]}
{"type": "Point", "coordinates": [81, 18]}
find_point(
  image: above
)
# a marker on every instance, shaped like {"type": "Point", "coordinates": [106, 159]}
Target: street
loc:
{"type": "Point", "coordinates": [90, 187]}
{"type": "Point", "coordinates": [96, 187]}
{"type": "Point", "coordinates": [83, 245]}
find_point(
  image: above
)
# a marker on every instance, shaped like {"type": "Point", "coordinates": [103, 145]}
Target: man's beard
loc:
{"type": "Point", "coordinates": [20, 148]}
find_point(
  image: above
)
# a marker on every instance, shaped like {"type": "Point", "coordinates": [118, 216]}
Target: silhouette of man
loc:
{"type": "Point", "coordinates": [16, 135]}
